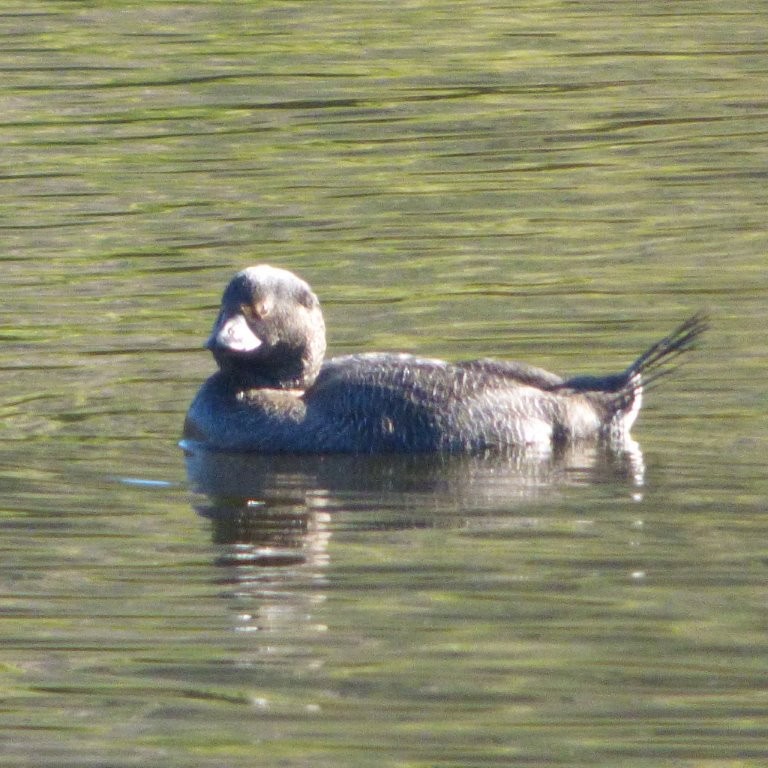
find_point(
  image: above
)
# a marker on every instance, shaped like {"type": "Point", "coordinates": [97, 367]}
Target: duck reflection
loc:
{"type": "Point", "coordinates": [273, 541]}
{"type": "Point", "coordinates": [239, 486]}
{"type": "Point", "coordinates": [273, 515]}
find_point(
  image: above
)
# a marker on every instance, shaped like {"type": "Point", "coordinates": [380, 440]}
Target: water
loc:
{"type": "Point", "coordinates": [556, 183]}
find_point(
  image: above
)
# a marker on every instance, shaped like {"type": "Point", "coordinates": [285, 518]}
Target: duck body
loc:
{"type": "Point", "coordinates": [273, 392]}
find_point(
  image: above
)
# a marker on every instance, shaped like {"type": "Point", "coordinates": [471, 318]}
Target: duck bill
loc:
{"type": "Point", "coordinates": [234, 335]}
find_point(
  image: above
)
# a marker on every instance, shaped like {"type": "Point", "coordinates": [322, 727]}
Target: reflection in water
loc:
{"type": "Point", "coordinates": [241, 485]}
{"type": "Point", "coordinates": [273, 513]}
{"type": "Point", "coordinates": [273, 555]}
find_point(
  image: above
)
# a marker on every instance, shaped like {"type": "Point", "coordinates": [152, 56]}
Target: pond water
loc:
{"type": "Point", "coordinates": [553, 182]}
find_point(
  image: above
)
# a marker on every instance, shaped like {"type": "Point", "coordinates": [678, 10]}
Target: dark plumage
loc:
{"type": "Point", "coordinates": [274, 394]}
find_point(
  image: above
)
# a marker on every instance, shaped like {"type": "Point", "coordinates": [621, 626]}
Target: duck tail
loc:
{"type": "Point", "coordinates": [620, 396]}
{"type": "Point", "coordinates": [653, 364]}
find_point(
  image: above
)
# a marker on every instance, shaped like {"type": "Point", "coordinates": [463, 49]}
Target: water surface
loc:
{"type": "Point", "coordinates": [556, 183]}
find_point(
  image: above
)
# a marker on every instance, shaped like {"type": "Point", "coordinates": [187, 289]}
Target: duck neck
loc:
{"type": "Point", "coordinates": [279, 370]}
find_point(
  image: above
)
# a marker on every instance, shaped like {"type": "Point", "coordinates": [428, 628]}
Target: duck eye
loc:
{"type": "Point", "coordinates": [256, 311]}
{"type": "Point", "coordinates": [262, 308]}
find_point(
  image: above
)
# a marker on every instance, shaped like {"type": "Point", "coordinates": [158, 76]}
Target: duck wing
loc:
{"type": "Point", "coordinates": [389, 402]}
{"type": "Point", "coordinates": [426, 380]}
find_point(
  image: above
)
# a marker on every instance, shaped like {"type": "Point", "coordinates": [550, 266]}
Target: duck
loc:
{"type": "Point", "coordinates": [274, 393]}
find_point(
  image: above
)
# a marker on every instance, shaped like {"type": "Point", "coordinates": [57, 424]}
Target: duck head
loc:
{"type": "Point", "coordinates": [269, 331]}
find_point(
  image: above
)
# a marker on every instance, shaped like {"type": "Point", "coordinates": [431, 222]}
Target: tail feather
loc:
{"type": "Point", "coordinates": [619, 396]}
{"type": "Point", "coordinates": [651, 366]}
{"type": "Point", "coordinates": [654, 362]}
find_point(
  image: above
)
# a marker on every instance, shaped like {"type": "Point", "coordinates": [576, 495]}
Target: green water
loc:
{"type": "Point", "coordinates": [555, 182]}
